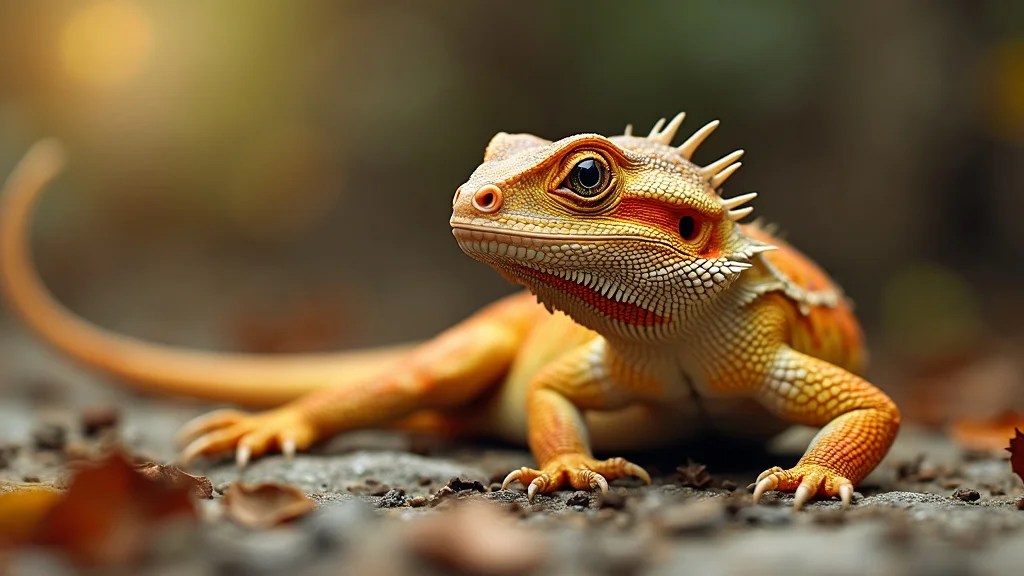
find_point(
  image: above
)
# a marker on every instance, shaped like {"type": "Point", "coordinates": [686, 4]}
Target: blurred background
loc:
{"type": "Point", "coordinates": [276, 175]}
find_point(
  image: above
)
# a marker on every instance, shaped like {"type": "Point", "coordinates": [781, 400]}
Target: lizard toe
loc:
{"type": "Point", "coordinates": [575, 471]}
{"type": "Point", "coordinates": [201, 425]}
{"type": "Point", "coordinates": [806, 481]}
{"type": "Point", "coordinates": [253, 436]}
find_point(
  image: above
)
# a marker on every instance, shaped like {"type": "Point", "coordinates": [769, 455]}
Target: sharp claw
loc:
{"type": "Point", "coordinates": [512, 477]}
{"type": "Point", "coordinates": [634, 470]}
{"type": "Point", "coordinates": [803, 494]}
{"type": "Point", "coordinates": [200, 425]}
{"type": "Point", "coordinates": [189, 453]}
{"type": "Point", "coordinates": [288, 448]}
{"type": "Point", "coordinates": [599, 481]}
{"type": "Point", "coordinates": [846, 495]}
{"type": "Point", "coordinates": [766, 484]}
{"type": "Point", "coordinates": [765, 474]}
{"type": "Point", "coordinates": [531, 491]}
{"type": "Point", "coordinates": [242, 456]}
{"type": "Point", "coordinates": [751, 485]}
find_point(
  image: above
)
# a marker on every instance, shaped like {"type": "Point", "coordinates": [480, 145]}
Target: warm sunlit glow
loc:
{"type": "Point", "coordinates": [107, 42]}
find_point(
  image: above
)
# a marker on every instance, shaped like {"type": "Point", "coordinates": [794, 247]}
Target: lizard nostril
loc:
{"type": "Point", "coordinates": [487, 199]}
{"type": "Point", "coordinates": [458, 192]}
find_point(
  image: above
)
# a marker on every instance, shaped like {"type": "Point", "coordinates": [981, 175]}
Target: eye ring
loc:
{"type": "Point", "coordinates": [586, 178]}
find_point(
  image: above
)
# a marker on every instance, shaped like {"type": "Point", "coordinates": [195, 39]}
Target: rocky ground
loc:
{"type": "Point", "coordinates": [394, 504]}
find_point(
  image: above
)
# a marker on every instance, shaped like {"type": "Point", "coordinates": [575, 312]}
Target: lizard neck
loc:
{"type": "Point", "coordinates": [644, 323]}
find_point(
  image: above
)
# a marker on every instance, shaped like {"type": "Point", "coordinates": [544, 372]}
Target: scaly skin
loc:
{"type": "Point", "coordinates": [658, 314]}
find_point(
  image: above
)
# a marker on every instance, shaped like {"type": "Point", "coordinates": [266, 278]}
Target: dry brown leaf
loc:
{"type": "Point", "coordinates": [110, 513]}
{"type": "Point", "coordinates": [200, 485]}
{"type": "Point", "coordinates": [693, 475]}
{"type": "Point", "coordinates": [477, 538]}
{"type": "Point", "coordinates": [986, 435]}
{"type": "Point", "coordinates": [265, 505]}
{"type": "Point", "coordinates": [1016, 451]}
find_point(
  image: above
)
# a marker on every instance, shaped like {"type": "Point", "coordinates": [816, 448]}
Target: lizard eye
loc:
{"type": "Point", "coordinates": [687, 227]}
{"type": "Point", "coordinates": [588, 178]}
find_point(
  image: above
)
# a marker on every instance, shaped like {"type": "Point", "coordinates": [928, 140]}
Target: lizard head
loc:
{"type": "Point", "coordinates": [625, 234]}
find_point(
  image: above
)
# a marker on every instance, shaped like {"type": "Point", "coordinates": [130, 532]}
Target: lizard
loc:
{"type": "Point", "coordinates": [650, 314]}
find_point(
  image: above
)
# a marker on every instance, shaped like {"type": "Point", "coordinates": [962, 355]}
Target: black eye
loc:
{"type": "Point", "coordinates": [687, 227]}
{"type": "Point", "coordinates": [586, 178]}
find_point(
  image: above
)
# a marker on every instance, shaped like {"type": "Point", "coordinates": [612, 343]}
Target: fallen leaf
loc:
{"type": "Point", "coordinates": [1016, 451]}
{"type": "Point", "coordinates": [200, 485]}
{"type": "Point", "coordinates": [693, 475]}
{"type": "Point", "coordinates": [111, 512]}
{"type": "Point", "coordinates": [265, 505]}
{"type": "Point", "coordinates": [986, 435]}
{"type": "Point", "coordinates": [476, 538]}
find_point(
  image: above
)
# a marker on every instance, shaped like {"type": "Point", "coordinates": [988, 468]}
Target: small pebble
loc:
{"type": "Point", "coordinates": [49, 437]}
{"type": "Point", "coordinates": [966, 494]}
{"type": "Point", "coordinates": [417, 502]}
{"type": "Point", "coordinates": [394, 498]}
{"type": "Point", "coordinates": [99, 418]}
{"type": "Point", "coordinates": [379, 490]}
{"type": "Point", "coordinates": [459, 484]}
{"type": "Point", "coordinates": [579, 499]}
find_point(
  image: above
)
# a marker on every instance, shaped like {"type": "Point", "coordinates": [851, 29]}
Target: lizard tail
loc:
{"type": "Point", "coordinates": [250, 380]}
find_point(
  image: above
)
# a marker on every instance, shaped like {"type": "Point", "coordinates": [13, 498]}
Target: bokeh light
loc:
{"type": "Point", "coordinates": [107, 43]}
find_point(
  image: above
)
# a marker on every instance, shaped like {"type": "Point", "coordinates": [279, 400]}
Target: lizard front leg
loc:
{"type": "Point", "coordinates": [446, 372]}
{"type": "Point", "coordinates": [581, 379]}
{"type": "Point", "coordinates": [860, 424]}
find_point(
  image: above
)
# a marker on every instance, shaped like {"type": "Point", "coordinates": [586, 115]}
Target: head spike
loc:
{"type": "Point", "coordinates": [686, 149]}
{"type": "Point", "coordinates": [665, 136]}
{"type": "Point", "coordinates": [740, 213]}
{"type": "Point", "coordinates": [628, 131]}
{"type": "Point", "coordinates": [711, 170]}
{"type": "Point", "coordinates": [656, 129]}
{"type": "Point", "coordinates": [736, 202]}
{"type": "Point", "coordinates": [722, 176]}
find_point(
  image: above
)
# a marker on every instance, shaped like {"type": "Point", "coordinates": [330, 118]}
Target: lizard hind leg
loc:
{"type": "Point", "coordinates": [442, 375]}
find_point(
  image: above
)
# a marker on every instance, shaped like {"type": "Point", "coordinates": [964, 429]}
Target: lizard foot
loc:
{"type": "Point", "coordinates": [575, 470]}
{"type": "Point", "coordinates": [807, 480]}
{"type": "Point", "coordinates": [248, 435]}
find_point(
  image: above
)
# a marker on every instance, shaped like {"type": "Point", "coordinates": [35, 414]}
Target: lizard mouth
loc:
{"type": "Point", "coordinates": [522, 260]}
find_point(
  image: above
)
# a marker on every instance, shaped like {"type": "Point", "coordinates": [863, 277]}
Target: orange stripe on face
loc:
{"type": "Point", "coordinates": [665, 217]}
{"type": "Point", "coordinates": [624, 312]}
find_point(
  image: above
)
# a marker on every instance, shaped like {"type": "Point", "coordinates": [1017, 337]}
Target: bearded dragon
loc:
{"type": "Point", "coordinates": [651, 314]}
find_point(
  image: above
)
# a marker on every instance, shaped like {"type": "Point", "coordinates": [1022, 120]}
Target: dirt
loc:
{"type": "Point", "coordinates": [390, 503]}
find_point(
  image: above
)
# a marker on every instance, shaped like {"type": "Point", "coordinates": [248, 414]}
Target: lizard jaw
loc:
{"type": "Point", "coordinates": [539, 264]}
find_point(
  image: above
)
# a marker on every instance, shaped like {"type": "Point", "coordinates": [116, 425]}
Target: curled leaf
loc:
{"type": "Point", "coordinates": [1016, 451]}
{"type": "Point", "coordinates": [111, 513]}
{"type": "Point", "coordinates": [200, 485]}
{"type": "Point", "coordinates": [265, 505]}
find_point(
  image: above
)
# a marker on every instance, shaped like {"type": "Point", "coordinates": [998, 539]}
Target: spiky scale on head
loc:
{"type": "Point", "coordinates": [623, 233]}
